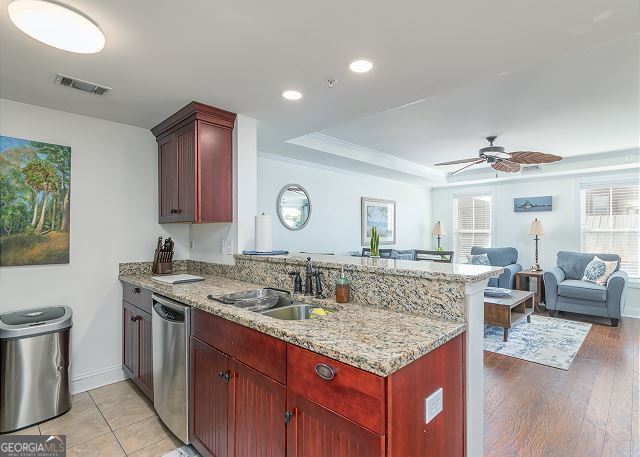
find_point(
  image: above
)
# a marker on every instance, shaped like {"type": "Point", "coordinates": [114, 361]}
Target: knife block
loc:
{"type": "Point", "coordinates": [161, 268]}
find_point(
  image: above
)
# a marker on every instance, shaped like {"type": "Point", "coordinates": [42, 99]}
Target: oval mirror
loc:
{"type": "Point", "coordinates": [294, 206]}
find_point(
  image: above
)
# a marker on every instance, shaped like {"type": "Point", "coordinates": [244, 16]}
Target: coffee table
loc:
{"type": "Point", "coordinates": [508, 311]}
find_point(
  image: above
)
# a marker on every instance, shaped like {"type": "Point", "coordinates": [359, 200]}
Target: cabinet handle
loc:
{"type": "Point", "coordinates": [224, 376]}
{"type": "Point", "coordinates": [325, 371]}
{"type": "Point", "coordinates": [136, 290]}
{"type": "Point", "coordinates": [135, 318]}
{"type": "Point", "coordinates": [288, 415]}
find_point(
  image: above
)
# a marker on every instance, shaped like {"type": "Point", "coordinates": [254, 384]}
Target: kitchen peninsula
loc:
{"type": "Point", "coordinates": [412, 328]}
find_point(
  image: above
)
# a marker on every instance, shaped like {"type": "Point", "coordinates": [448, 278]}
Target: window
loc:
{"type": "Point", "coordinates": [609, 220]}
{"type": "Point", "coordinates": [471, 223]}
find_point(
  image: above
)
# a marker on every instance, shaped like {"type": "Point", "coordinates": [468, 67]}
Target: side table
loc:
{"type": "Point", "coordinates": [523, 282]}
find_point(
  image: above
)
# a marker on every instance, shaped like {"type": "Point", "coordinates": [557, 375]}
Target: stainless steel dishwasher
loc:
{"type": "Point", "coordinates": [171, 325]}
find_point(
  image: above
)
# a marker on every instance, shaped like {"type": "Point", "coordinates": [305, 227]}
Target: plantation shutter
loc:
{"type": "Point", "coordinates": [471, 223]}
{"type": "Point", "coordinates": [609, 219]}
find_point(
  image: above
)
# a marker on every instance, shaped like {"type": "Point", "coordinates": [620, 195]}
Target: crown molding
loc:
{"type": "Point", "coordinates": [342, 148]}
{"type": "Point", "coordinates": [304, 163]}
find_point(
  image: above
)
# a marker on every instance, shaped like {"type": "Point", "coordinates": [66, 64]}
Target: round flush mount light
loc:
{"type": "Point", "coordinates": [361, 66]}
{"type": "Point", "coordinates": [292, 95]}
{"type": "Point", "coordinates": [57, 26]}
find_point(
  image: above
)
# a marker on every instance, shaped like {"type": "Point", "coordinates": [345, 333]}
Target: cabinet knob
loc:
{"type": "Point", "coordinates": [135, 318]}
{"type": "Point", "coordinates": [173, 211]}
{"type": "Point", "coordinates": [224, 376]}
{"type": "Point", "coordinates": [288, 415]}
{"type": "Point", "coordinates": [325, 371]}
{"type": "Point", "coordinates": [136, 290]}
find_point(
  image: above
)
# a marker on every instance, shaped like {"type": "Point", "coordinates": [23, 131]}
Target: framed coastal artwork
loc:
{"type": "Point", "coordinates": [35, 186]}
{"type": "Point", "coordinates": [532, 204]}
{"type": "Point", "coordinates": [380, 214]}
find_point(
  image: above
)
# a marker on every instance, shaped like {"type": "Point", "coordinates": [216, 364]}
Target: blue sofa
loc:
{"type": "Point", "coordinates": [565, 290]}
{"type": "Point", "coordinates": [501, 257]}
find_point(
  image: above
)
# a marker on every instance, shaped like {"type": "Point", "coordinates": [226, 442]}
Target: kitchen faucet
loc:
{"type": "Point", "coordinates": [312, 275]}
{"type": "Point", "coordinates": [308, 280]}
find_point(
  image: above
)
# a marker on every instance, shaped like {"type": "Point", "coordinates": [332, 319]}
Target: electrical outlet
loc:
{"type": "Point", "coordinates": [227, 247]}
{"type": "Point", "coordinates": [433, 405]}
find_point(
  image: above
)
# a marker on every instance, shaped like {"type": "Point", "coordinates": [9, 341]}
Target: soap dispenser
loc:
{"type": "Point", "coordinates": [343, 289]}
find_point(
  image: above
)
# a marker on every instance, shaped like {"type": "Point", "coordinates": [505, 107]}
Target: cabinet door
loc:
{"type": "Point", "coordinates": [129, 339]}
{"type": "Point", "coordinates": [256, 421]}
{"type": "Point", "coordinates": [209, 399]}
{"type": "Point", "coordinates": [167, 179]}
{"type": "Point", "coordinates": [315, 431]}
{"type": "Point", "coordinates": [145, 354]}
{"type": "Point", "coordinates": [215, 162]}
{"type": "Point", "coordinates": [186, 157]}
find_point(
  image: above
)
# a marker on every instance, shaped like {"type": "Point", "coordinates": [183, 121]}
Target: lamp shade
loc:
{"type": "Point", "coordinates": [438, 229]}
{"type": "Point", "coordinates": [536, 228]}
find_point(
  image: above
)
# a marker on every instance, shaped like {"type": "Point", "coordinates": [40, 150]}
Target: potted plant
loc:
{"type": "Point", "coordinates": [374, 244]}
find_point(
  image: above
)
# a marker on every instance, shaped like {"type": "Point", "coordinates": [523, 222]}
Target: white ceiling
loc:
{"type": "Point", "coordinates": [241, 55]}
{"type": "Point", "coordinates": [580, 104]}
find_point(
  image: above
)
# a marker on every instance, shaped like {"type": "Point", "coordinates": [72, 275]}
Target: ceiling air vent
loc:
{"type": "Point", "coordinates": [84, 86]}
{"type": "Point", "coordinates": [531, 169]}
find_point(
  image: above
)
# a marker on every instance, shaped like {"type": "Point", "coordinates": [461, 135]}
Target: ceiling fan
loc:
{"type": "Point", "coordinates": [508, 162]}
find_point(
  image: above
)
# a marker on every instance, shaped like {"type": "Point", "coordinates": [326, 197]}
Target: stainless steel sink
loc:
{"type": "Point", "coordinates": [294, 312]}
{"type": "Point", "coordinates": [254, 300]}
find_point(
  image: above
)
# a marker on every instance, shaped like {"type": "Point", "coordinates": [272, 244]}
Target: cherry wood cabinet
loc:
{"type": "Point", "coordinates": [315, 431]}
{"type": "Point", "coordinates": [195, 165]}
{"type": "Point", "coordinates": [137, 355]}
{"type": "Point", "coordinates": [235, 410]}
{"type": "Point", "coordinates": [256, 414]}
{"type": "Point", "coordinates": [255, 395]}
{"type": "Point", "coordinates": [209, 399]}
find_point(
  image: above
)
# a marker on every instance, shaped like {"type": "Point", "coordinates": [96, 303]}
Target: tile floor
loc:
{"type": "Point", "coordinates": [111, 421]}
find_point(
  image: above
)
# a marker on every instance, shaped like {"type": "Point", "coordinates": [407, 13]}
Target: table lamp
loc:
{"type": "Point", "coordinates": [438, 230]}
{"type": "Point", "coordinates": [536, 229]}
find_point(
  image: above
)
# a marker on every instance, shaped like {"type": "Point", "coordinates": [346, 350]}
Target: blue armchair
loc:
{"type": "Point", "coordinates": [566, 291]}
{"type": "Point", "coordinates": [501, 257]}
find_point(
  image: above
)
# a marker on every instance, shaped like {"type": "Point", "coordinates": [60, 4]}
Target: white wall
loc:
{"type": "Point", "coordinates": [561, 226]}
{"type": "Point", "coordinates": [114, 218]}
{"type": "Point", "coordinates": [335, 207]}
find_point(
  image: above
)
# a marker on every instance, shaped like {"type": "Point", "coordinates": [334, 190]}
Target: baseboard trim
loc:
{"type": "Point", "coordinates": [632, 311]}
{"type": "Point", "coordinates": [98, 378]}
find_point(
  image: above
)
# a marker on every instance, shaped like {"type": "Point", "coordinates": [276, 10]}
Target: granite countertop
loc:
{"type": "Point", "coordinates": [455, 272]}
{"type": "Point", "coordinates": [375, 340]}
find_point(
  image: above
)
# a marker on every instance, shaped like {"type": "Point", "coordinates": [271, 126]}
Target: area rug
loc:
{"type": "Point", "coordinates": [546, 340]}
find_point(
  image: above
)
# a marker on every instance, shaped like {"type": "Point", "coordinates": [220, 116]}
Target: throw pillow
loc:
{"type": "Point", "coordinates": [480, 259]}
{"type": "Point", "coordinates": [598, 271]}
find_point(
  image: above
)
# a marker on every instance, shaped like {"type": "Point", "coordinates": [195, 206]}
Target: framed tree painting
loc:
{"type": "Point", "coordinates": [35, 186]}
{"type": "Point", "coordinates": [380, 214]}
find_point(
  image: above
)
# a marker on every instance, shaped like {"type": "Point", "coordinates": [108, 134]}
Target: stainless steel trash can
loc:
{"type": "Point", "coordinates": [34, 366]}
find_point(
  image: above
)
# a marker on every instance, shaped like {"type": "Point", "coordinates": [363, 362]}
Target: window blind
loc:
{"type": "Point", "coordinates": [471, 223]}
{"type": "Point", "coordinates": [609, 219]}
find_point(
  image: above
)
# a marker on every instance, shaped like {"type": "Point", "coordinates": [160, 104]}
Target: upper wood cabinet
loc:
{"type": "Point", "coordinates": [195, 165]}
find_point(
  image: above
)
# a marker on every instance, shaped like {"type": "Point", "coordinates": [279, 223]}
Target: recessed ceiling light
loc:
{"type": "Point", "coordinates": [57, 26]}
{"type": "Point", "coordinates": [360, 66]}
{"type": "Point", "coordinates": [292, 95]}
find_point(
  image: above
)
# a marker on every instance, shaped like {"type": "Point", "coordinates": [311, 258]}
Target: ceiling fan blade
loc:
{"type": "Point", "coordinates": [506, 166]}
{"type": "Point", "coordinates": [467, 166]}
{"type": "Point", "coordinates": [453, 162]}
{"type": "Point", "coordinates": [533, 157]}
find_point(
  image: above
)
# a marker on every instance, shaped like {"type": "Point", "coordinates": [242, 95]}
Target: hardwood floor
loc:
{"type": "Point", "coordinates": [593, 409]}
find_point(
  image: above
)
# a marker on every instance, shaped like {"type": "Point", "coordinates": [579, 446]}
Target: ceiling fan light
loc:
{"type": "Point", "coordinates": [57, 26]}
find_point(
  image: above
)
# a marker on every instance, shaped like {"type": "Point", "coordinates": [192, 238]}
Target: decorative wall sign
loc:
{"type": "Point", "coordinates": [380, 214]}
{"type": "Point", "coordinates": [532, 204]}
{"type": "Point", "coordinates": [35, 186]}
